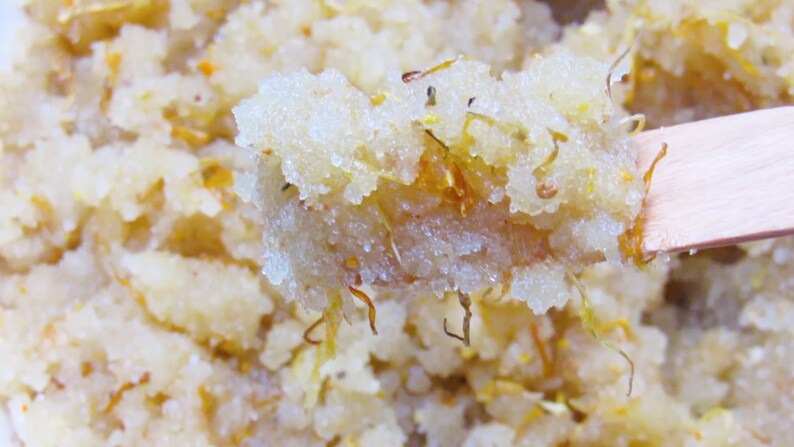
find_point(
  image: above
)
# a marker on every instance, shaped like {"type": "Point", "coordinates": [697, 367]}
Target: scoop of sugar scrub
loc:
{"type": "Point", "coordinates": [447, 179]}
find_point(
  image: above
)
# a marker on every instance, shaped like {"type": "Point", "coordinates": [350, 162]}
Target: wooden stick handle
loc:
{"type": "Point", "coordinates": [724, 181]}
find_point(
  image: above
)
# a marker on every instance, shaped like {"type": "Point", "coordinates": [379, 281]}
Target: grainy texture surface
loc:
{"type": "Point", "coordinates": [418, 194]}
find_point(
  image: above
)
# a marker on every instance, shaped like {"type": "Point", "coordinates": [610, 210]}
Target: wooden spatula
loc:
{"type": "Point", "coordinates": [723, 181]}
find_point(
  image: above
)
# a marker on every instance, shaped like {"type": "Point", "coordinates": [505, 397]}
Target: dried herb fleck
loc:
{"type": "Point", "coordinates": [465, 302]}
{"type": "Point", "coordinates": [307, 333]}
{"type": "Point", "coordinates": [115, 398]}
{"type": "Point", "coordinates": [431, 96]}
{"type": "Point", "coordinates": [546, 190]}
{"type": "Point", "coordinates": [366, 300]}
{"type": "Point", "coordinates": [615, 66]}
{"type": "Point", "coordinates": [411, 76]}
{"type": "Point", "coordinates": [440, 143]}
{"type": "Point", "coordinates": [630, 242]}
{"type": "Point", "coordinates": [590, 324]}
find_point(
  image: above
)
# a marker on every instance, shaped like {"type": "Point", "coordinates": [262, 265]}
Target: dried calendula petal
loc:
{"type": "Point", "coordinates": [370, 307]}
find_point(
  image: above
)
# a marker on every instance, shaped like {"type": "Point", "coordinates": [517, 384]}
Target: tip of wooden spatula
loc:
{"type": "Point", "coordinates": [723, 181]}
